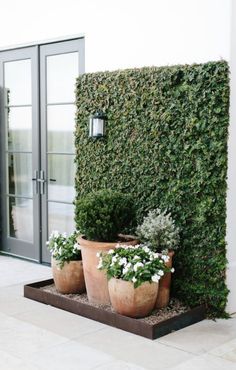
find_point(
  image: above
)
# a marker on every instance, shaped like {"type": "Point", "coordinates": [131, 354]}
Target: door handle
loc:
{"type": "Point", "coordinates": [35, 182]}
{"type": "Point", "coordinates": [41, 180]}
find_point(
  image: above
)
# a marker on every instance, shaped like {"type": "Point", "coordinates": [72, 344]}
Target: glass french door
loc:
{"type": "Point", "coordinates": [37, 144]}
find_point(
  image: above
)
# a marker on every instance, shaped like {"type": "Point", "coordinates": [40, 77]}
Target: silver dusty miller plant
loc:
{"type": "Point", "coordinates": [159, 231]}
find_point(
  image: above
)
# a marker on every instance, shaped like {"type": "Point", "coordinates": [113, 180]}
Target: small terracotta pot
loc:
{"type": "Point", "coordinates": [96, 280]}
{"type": "Point", "coordinates": [69, 279]}
{"type": "Point", "coordinates": [163, 295]}
{"type": "Point", "coordinates": [133, 302]}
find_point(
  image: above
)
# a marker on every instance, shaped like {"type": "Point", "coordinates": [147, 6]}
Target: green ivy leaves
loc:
{"type": "Point", "coordinates": [166, 144]}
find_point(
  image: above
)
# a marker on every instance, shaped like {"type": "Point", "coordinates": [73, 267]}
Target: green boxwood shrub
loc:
{"type": "Point", "coordinates": [102, 215]}
{"type": "Point", "coordinates": [166, 144]}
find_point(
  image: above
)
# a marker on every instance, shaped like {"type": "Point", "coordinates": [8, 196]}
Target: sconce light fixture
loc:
{"type": "Point", "coordinates": [97, 125]}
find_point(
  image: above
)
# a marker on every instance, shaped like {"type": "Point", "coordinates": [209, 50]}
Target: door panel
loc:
{"type": "Point", "coordinates": [60, 64]}
{"type": "Point", "coordinates": [20, 156]}
{"type": "Point", "coordinates": [60, 128]}
{"type": "Point", "coordinates": [37, 144]}
{"type": "Point", "coordinates": [62, 69]}
{"type": "Point", "coordinates": [60, 217]}
{"type": "Point", "coordinates": [61, 173]}
{"type": "Point", "coordinates": [19, 128]}
{"type": "Point", "coordinates": [18, 82]}
{"type": "Point", "coordinates": [20, 174]}
{"type": "Point", "coordinates": [21, 218]}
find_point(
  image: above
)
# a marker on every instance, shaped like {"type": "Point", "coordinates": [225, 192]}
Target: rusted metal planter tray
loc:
{"type": "Point", "coordinates": [146, 328]}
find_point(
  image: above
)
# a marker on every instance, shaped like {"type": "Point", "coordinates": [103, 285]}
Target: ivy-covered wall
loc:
{"type": "Point", "coordinates": [166, 143]}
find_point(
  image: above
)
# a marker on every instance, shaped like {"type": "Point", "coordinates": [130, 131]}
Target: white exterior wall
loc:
{"type": "Point", "coordinates": [124, 33]}
{"type": "Point", "coordinates": [134, 33]}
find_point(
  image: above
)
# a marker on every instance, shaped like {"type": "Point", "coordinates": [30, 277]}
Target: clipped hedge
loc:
{"type": "Point", "coordinates": [166, 144]}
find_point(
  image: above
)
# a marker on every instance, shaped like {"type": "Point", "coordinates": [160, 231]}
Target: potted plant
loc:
{"type": "Point", "coordinates": [101, 216]}
{"type": "Point", "coordinates": [159, 231]}
{"type": "Point", "coordinates": [133, 275]}
{"type": "Point", "coordinates": [67, 267]}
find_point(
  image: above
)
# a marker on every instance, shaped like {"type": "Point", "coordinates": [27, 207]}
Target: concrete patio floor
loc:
{"type": "Point", "coordinates": [34, 336]}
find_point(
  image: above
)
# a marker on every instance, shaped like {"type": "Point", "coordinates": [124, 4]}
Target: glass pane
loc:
{"type": "Point", "coordinates": [61, 126]}
{"type": "Point", "coordinates": [18, 82]}
{"type": "Point", "coordinates": [62, 71]}
{"type": "Point", "coordinates": [60, 217]}
{"type": "Point", "coordinates": [19, 128]}
{"type": "Point", "coordinates": [61, 174]}
{"type": "Point", "coordinates": [20, 174]}
{"type": "Point", "coordinates": [21, 219]}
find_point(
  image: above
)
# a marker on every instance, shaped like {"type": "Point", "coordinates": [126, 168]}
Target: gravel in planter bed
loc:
{"type": "Point", "coordinates": [174, 308]}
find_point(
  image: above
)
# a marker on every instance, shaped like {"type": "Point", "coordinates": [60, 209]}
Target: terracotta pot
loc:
{"type": "Point", "coordinates": [133, 302]}
{"type": "Point", "coordinates": [69, 279]}
{"type": "Point", "coordinates": [96, 280]}
{"type": "Point", "coordinates": [163, 295]}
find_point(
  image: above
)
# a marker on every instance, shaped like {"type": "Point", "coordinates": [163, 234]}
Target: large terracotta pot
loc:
{"type": "Point", "coordinates": [133, 302]}
{"type": "Point", "coordinates": [163, 295]}
{"type": "Point", "coordinates": [69, 279]}
{"type": "Point", "coordinates": [96, 280]}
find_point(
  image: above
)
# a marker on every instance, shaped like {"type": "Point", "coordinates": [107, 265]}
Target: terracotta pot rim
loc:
{"type": "Point", "coordinates": [102, 245]}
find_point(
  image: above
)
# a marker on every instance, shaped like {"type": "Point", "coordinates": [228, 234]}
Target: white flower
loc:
{"type": "Point", "coordinates": [98, 254]}
{"type": "Point", "coordinates": [99, 263]}
{"type": "Point", "coordinates": [136, 257]}
{"type": "Point", "coordinates": [137, 265]}
{"type": "Point", "coordinates": [123, 246]}
{"type": "Point", "coordinates": [146, 249]}
{"type": "Point", "coordinates": [77, 246]}
{"type": "Point", "coordinates": [160, 273]}
{"type": "Point", "coordinates": [126, 268]}
{"type": "Point", "coordinates": [172, 270]}
{"type": "Point", "coordinates": [111, 251]}
{"type": "Point", "coordinates": [123, 261]}
{"type": "Point", "coordinates": [64, 235]}
{"type": "Point", "coordinates": [153, 256]}
{"type": "Point", "coordinates": [134, 279]}
{"type": "Point", "coordinates": [114, 259]}
{"type": "Point", "coordinates": [54, 234]}
{"type": "Point", "coordinates": [156, 278]}
{"type": "Point", "coordinates": [165, 258]}
{"type": "Point", "coordinates": [47, 243]}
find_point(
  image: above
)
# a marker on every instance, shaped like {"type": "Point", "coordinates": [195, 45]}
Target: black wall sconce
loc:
{"type": "Point", "coordinates": [97, 125]}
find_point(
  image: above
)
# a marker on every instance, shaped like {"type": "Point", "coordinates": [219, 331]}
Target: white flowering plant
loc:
{"type": "Point", "coordinates": [159, 231]}
{"type": "Point", "coordinates": [64, 248]}
{"type": "Point", "coordinates": [136, 264]}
